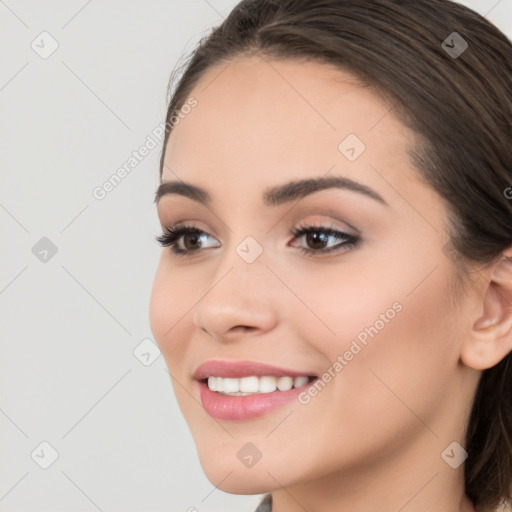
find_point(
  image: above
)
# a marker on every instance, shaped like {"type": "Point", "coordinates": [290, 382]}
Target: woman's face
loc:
{"type": "Point", "coordinates": [377, 316]}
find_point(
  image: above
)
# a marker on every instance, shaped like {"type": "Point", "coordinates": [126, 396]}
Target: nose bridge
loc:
{"type": "Point", "coordinates": [240, 293]}
{"type": "Point", "coordinates": [245, 260]}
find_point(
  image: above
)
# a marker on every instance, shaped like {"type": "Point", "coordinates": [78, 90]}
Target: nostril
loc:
{"type": "Point", "coordinates": [243, 328]}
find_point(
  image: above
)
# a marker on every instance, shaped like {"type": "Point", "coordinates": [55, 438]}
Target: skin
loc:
{"type": "Point", "coordinates": [372, 439]}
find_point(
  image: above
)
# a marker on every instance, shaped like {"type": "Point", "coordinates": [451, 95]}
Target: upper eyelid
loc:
{"type": "Point", "coordinates": [324, 224]}
{"type": "Point", "coordinates": [329, 221]}
{"type": "Point", "coordinates": [321, 210]}
{"type": "Point", "coordinates": [319, 225]}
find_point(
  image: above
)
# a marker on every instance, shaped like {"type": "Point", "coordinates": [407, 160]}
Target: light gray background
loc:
{"type": "Point", "coordinates": [70, 325]}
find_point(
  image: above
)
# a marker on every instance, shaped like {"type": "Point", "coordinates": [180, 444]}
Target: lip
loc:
{"type": "Point", "coordinates": [243, 408]}
{"type": "Point", "coordinates": [238, 369]}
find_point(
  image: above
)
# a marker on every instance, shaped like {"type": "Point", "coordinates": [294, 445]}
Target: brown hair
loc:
{"type": "Point", "coordinates": [460, 106]}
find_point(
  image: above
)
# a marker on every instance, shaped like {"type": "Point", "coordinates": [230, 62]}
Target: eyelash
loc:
{"type": "Point", "coordinates": [171, 236]}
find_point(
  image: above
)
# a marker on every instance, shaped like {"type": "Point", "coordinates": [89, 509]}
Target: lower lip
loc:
{"type": "Point", "coordinates": [225, 407]}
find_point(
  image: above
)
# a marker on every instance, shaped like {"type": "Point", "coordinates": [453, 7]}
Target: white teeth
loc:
{"type": "Point", "coordinates": [230, 385]}
{"type": "Point", "coordinates": [267, 384]}
{"type": "Point", "coordinates": [300, 381]}
{"type": "Point", "coordinates": [212, 383]}
{"type": "Point", "coordinates": [250, 385]}
{"type": "Point", "coordinates": [285, 383]}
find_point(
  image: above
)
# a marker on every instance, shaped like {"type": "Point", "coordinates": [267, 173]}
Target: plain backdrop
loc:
{"type": "Point", "coordinates": [88, 418]}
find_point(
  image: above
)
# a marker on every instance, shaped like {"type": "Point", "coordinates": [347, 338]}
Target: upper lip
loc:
{"type": "Point", "coordinates": [237, 369]}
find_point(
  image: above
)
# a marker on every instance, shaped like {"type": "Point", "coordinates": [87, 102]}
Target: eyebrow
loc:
{"type": "Point", "coordinates": [274, 196]}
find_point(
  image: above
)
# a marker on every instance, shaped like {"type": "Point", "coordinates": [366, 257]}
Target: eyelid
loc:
{"type": "Point", "coordinates": [189, 223]}
{"type": "Point", "coordinates": [327, 223]}
{"type": "Point", "coordinates": [173, 235]}
{"type": "Point", "coordinates": [324, 222]}
{"type": "Point", "coordinates": [327, 215]}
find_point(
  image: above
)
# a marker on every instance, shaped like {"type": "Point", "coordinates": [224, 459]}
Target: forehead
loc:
{"type": "Point", "coordinates": [256, 119]}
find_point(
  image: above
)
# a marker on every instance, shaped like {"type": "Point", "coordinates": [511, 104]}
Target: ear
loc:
{"type": "Point", "coordinates": [490, 338]}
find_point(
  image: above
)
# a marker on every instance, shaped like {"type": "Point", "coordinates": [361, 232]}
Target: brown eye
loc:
{"type": "Point", "coordinates": [316, 240]}
{"type": "Point", "coordinates": [192, 239]}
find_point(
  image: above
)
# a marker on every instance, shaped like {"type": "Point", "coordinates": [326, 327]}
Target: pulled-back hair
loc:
{"type": "Point", "coordinates": [459, 103]}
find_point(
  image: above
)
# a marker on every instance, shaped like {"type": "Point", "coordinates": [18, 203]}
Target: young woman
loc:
{"type": "Point", "coordinates": [334, 300]}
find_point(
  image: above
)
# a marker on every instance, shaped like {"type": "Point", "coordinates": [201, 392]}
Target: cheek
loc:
{"type": "Point", "coordinates": [395, 384]}
{"type": "Point", "coordinates": [397, 340]}
{"type": "Point", "coordinates": [168, 312]}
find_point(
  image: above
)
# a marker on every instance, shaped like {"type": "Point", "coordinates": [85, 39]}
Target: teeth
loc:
{"type": "Point", "coordinates": [300, 381]}
{"type": "Point", "coordinates": [285, 383]}
{"type": "Point", "coordinates": [230, 385]}
{"type": "Point", "coordinates": [250, 385]}
{"type": "Point", "coordinates": [267, 384]}
{"type": "Point", "coordinates": [212, 383]}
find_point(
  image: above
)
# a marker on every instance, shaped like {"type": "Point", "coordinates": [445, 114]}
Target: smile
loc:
{"type": "Point", "coordinates": [243, 390]}
{"type": "Point", "coordinates": [254, 384]}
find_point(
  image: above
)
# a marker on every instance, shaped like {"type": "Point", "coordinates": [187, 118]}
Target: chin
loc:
{"type": "Point", "coordinates": [229, 475]}
{"type": "Point", "coordinates": [240, 481]}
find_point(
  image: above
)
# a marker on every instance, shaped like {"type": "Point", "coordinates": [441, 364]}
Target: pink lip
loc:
{"type": "Point", "coordinates": [241, 408]}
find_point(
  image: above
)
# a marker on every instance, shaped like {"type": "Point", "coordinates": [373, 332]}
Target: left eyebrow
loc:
{"type": "Point", "coordinates": [274, 196]}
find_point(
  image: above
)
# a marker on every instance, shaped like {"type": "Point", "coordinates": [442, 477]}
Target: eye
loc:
{"type": "Point", "coordinates": [184, 240]}
{"type": "Point", "coordinates": [191, 239]}
{"type": "Point", "coordinates": [318, 237]}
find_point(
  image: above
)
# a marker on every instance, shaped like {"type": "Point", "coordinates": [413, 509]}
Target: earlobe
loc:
{"type": "Point", "coordinates": [490, 337]}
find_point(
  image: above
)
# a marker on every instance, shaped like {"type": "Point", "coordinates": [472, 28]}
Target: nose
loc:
{"type": "Point", "coordinates": [241, 300]}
